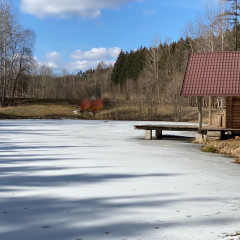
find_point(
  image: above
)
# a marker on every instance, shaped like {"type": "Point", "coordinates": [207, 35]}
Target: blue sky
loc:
{"type": "Point", "coordinates": [77, 34]}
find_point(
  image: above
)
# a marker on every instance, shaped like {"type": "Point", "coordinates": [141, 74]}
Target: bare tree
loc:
{"type": "Point", "coordinates": [222, 21]}
{"type": "Point", "coordinates": [45, 80]}
{"type": "Point", "coordinates": [209, 29]}
{"type": "Point", "coordinates": [173, 98]}
{"type": "Point", "coordinates": [8, 28]}
{"type": "Point", "coordinates": [16, 46]}
{"type": "Point", "coordinates": [21, 62]}
{"type": "Point", "coordinates": [208, 32]}
{"type": "Point", "coordinates": [152, 70]}
{"type": "Point", "coordinates": [193, 35]}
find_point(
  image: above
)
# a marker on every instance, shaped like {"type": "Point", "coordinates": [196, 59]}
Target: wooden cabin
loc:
{"type": "Point", "coordinates": [215, 74]}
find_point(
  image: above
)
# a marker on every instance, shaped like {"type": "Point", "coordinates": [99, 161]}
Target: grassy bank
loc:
{"type": "Point", "coordinates": [39, 109]}
{"type": "Point", "coordinates": [229, 148]}
{"type": "Point", "coordinates": [122, 110]}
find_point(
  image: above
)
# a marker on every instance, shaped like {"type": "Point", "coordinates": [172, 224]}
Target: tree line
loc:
{"type": "Point", "coordinates": [150, 77]}
{"type": "Point", "coordinates": [16, 46]}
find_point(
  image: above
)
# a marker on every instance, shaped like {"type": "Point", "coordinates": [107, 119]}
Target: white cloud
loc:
{"type": "Point", "coordinates": [84, 65]}
{"type": "Point", "coordinates": [53, 60]}
{"type": "Point", "coordinates": [53, 56]}
{"type": "Point", "coordinates": [96, 53]}
{"type": "Point", "coordinates": [82, 60]}
{"type": "Point", "coordinates": [69, 8]}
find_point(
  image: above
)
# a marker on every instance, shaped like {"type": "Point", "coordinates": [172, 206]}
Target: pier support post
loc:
{"type": "Point", "coordinates": [159, 134]}
{"type": "Point", "coordinates": [148, 134]}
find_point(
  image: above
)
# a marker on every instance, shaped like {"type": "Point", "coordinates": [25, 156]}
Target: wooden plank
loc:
{"type": "Point", "coordinates": [182, 128]}
{"type": "Point", "coordinates": [167, 127]}
{"type": "Point", "coordinates": [213, 135]}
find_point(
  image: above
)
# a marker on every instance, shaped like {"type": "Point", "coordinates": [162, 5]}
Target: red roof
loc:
{"type": "Point", "coordinates": [212, 74]}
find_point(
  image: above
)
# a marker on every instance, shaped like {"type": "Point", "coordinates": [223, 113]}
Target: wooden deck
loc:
{"type": "Point", "coordinates": [168, 127]}
{"type": "Point", "coordinates": [161, 127]}
{"type": "Point", "coordinates": [211, 133]}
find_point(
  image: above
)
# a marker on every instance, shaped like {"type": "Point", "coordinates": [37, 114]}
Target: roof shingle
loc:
{"type": "Point", "coordinates": [212, 74]}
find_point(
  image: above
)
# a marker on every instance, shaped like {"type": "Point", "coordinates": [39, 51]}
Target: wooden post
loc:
{"type": "Point", "coordinates": [159, 134]}
{"type": "Point", "coordinates": [210, 111]}
{"type": "Point", "coordinates": [199, 100]}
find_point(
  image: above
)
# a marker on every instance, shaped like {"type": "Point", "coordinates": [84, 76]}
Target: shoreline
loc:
{"type": "Point", "coordinates": [229, 148]}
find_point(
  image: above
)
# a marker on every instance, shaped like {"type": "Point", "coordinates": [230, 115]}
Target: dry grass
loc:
{"type": "Point", "coordinates": [120, 110]}
{"type": "Point", "coordinates": [229, 148]}
{"type": "Point", "coordinates": [40, 109]}
{"type": "Point", "coordinates": [130, 111]}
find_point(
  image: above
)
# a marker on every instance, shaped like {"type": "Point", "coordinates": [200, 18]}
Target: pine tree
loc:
{"type": "Point", "coordinates": [128, 66]}
{"type": "Point", "coordinates": [117, 69]}
{"type": "Point", "coordinates": [232, 16]}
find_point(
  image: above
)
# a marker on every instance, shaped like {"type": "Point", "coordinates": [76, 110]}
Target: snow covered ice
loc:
{"type": "Point", "coordinates": [96, 180]}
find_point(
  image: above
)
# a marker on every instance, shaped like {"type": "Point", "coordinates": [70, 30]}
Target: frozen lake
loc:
{"type": "Point", "coordinates": [95, 180]}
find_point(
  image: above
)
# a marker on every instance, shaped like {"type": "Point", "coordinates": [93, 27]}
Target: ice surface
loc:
{"type": "Point", "coordinates": [96, 180]}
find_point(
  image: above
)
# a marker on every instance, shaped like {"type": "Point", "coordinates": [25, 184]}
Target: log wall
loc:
{"type": "Point", "coordinates": [233, 112]}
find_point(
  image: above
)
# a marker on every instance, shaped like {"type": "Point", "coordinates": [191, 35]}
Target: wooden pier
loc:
{"type": "Point", "coordinates": [204, 133]}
